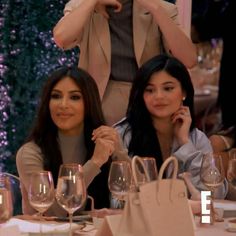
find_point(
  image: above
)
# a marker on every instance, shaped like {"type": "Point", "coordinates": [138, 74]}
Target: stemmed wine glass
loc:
{"type": "Point", "coordinates": [212, 175]}
{"type": "Point", "coordinates": [149, 163]}
{"type": "Point", "coordinates": [6, 205]}
{"type": "Point", "coordinates": [231, 171]}
{"type": "Point", "coordinates": [119, 181]}
{"type": "Point", "coordinates": [71, 191]}
{"type": "Point", "coordinates": [41, 192]}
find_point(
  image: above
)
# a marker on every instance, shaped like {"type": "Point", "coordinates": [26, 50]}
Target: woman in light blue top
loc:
{"type": "Point", "coordinates": [160, 119]}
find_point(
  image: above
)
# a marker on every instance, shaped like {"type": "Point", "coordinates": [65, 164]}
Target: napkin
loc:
{"type": "Point", "coordinates": [33, 227]}
{"type": "Point", "coordinates": [228, 206]}
{"type": "Point", "coordinates": [10, 230]}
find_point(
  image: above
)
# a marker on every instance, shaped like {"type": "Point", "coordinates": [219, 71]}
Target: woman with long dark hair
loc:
{"type": "Point", "coordinates": [68, 114]}
{"type": "Point", "coordinates": [160, 118]}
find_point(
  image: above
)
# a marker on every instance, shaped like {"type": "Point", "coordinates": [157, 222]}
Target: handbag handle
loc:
{"type": "Point", "coordinates": [165, 164]}
{"type": "Point", "coordinates": [174, 176]}
{"type": "Point", "coordinates": [136, 159]}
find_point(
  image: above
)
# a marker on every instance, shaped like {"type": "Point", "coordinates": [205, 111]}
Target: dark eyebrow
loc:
{"type": "Point", "coordinates": [169, 82]}
{"type": "Point", "coordinates": [75, 91]}
{"type": "Point", "coordinates": [165, 83]}
{"type": "Point", "coordinates": [72, 91]}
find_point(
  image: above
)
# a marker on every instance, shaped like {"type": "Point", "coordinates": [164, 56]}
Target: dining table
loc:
{"type": "Point", "coordinates": [18, 225]}
{"type": "Point", "coordinates": [217, 229]}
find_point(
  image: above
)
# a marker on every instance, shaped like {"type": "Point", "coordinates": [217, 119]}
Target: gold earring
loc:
{"type": "Point", "coordinates": [183, 98]}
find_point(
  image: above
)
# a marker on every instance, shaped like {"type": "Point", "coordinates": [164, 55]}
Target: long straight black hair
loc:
{"type": "Point", "coordinates": [45, 132]}
{"type": "Point", "coordinates": [144, 141]}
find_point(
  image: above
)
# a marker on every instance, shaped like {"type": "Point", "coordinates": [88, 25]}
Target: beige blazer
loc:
{"type": "Point", "coordinates": [95, 43]}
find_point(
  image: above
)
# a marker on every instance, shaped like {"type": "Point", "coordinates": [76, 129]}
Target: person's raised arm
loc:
{"type": "Point", "coordinates": [68, 31]}
{"type": "Point", "coordinates": [179, 44]}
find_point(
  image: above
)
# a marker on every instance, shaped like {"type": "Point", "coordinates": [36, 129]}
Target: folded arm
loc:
{"type": "Point", "coordinates": [178, 43]}
{"type": "Point", "coordinates": [68, 31]}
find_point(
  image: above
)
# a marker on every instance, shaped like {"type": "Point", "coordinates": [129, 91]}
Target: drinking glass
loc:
{"type": "Point", "coordinates": [212, 175]}
{"type": "Point", "coordinates": [149, 163]}
{"type": "Point", "coordinates": [6, 206]}
{"type": "Point", "coordinates": [41, 192]}
{"type": "Point", "coordinates": [231, 171]}
{"type": "Point", "coordinates": [119, 181]}
{"type": "Point", "coordinates": [71, 191]}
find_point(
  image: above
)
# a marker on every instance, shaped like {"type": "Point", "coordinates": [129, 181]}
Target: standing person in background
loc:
{"type": "Point", "coordinates": [116, 37]}
{"type": "Point", "coordinates": [69, 112]}
{"type": "Point", "coordinates": [227, 95]}
{"type": "Point", "coordinates": [216, 23]}
{"type": "Point", "coordinates": [160, 119]}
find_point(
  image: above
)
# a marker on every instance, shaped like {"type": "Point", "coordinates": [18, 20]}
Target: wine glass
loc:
{"type": "Point", "coordinates": [212, 175]}
{"type": "Point", "coordinates": [149, 163]}
{"type": "Point", "coordinates": [6, 206]}
{"type": "Point", "coordinates": [41, 192]}
{"type": "Point", "coordinates": [119, 181]}
{"type": "Point", "coordinates": [231, 171]}
{"type": "Point", "coordinates": [71, 191]}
